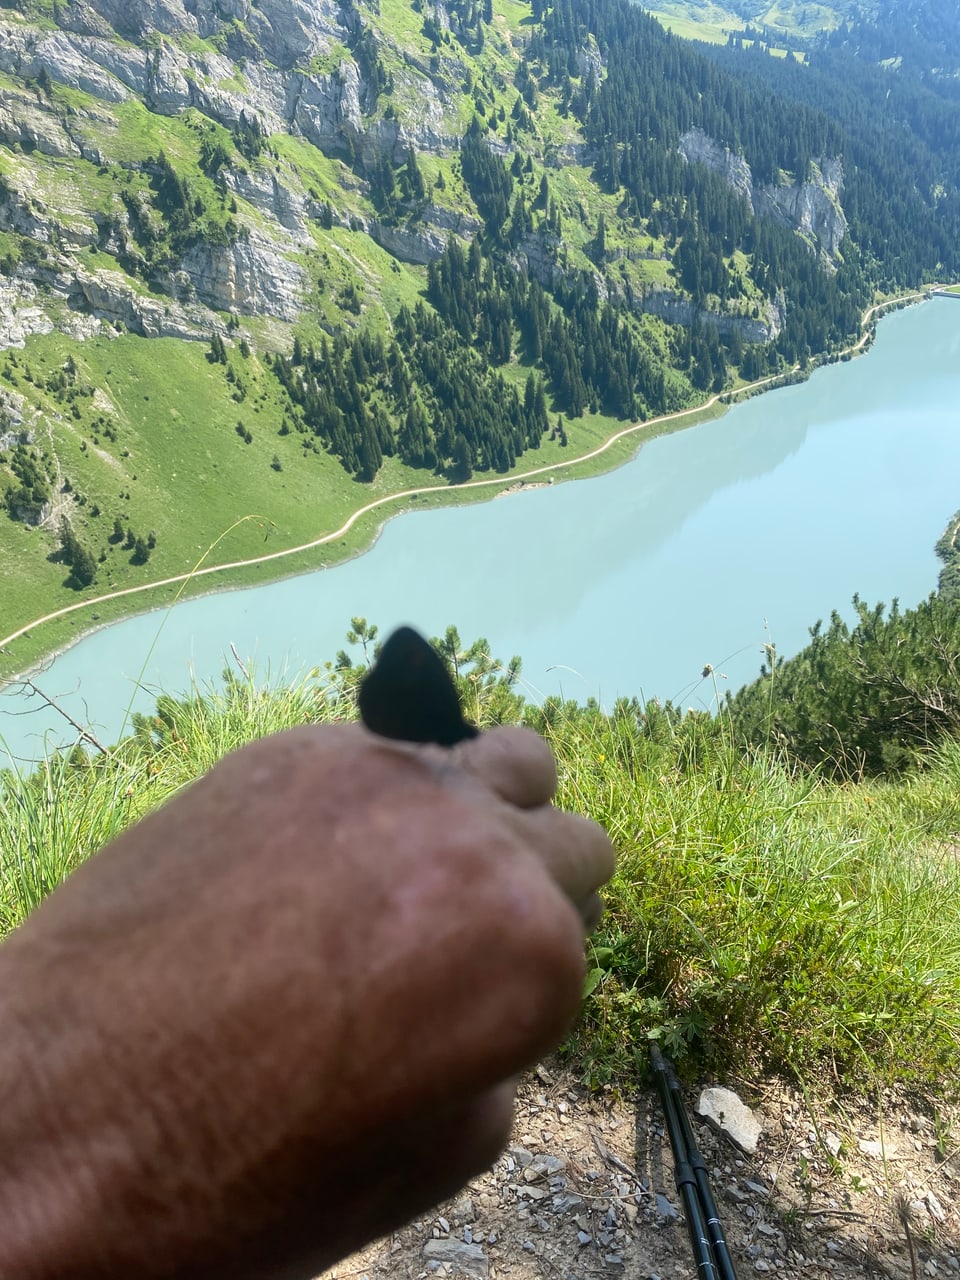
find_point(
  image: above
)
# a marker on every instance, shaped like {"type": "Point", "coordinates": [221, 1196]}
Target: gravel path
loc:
{"type": "Point", "coordinates": [586, 1189]}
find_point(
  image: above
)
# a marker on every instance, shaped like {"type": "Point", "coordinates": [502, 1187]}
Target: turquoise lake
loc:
{"type": "Point", "coordinates": [712, 542]}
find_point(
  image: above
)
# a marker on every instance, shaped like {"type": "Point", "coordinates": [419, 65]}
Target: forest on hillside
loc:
{"type": "Point", "coordinates": [586, 348]}
{"type": "Point", "coordinates": [600, 274]}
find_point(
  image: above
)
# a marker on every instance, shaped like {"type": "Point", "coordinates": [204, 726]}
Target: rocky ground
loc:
{"type": "Point", "coordinates": [586, 1189]}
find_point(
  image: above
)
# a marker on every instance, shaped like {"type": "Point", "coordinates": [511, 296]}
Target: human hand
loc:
{"type": "Point", "coordinates": [281, 1015]}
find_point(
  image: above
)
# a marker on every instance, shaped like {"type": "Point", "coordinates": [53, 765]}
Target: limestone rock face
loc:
{"type": "Point", "coordinates": [674, 309]}
{"type": "Point", "coordinates": [125, 67]}
{"type": "Point", "coordinates": [218, 92]}
{"type": "Point", "coordinates": [25, 124]}
{"type": "Point", "coordinates": [21, 314]}
{"type": "Point", "coordinates": [107, 296]}
{"type": "Point", "coordinates": [293, 30]}
{"type": "Point", "coordinates": [423, 241]}
{"type": "Point", "coordinates": [250, 277]}
{"type": "Point", "coordinates": [812, 208]}
{"type": "Point", "coordinates": [135, 19]}
{"type": "Point", "coordinates": [78, 17]}
{"type": "Point", "coordinates": [30, 515]}
{"type": "Point", "coordinates": [538, 253]}
{"type": "Point", "coordinates": [12, 409]}
{"type": "Point", "coordinates": [25, 51]}
{"type": "Point", "coordinates": [18, 212]}
{"type": "Point", "coordinates": [167, 89]}
{"type": "Point", "coordinates": [420, 245]}
{"type": "Point", "coordinates": [698, 147]}
{"type": "Point", "coordinates": [326, 108]}
{"type": "Point", "coordinates": [267, 194]}
{"type": "Point", "coordinates": [286, 64]}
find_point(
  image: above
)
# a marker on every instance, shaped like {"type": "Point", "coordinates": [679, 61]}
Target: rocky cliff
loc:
{"type": "Point", "coordinates": [272, 68]}
{"type": "Point", "coordinates": [811, 207]}
{"type": "Point", "coordinates": [90, 93]}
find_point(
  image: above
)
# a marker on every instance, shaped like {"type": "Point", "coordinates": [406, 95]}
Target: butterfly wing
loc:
{"type": "Point", "coordinates": [408, 694]}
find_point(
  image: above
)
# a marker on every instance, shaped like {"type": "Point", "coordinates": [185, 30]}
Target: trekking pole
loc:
{"type": "Point", "coordinates": [709, 1244]}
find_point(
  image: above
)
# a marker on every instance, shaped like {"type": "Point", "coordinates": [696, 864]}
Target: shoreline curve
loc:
{"type": "Point", "coordinates": [518, 480]}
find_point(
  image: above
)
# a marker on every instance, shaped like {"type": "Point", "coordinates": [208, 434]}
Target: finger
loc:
{"type": "Point", "coordinates": [577, 852]}
{"type": "Point", "coordinates": [514, 763]}
{"type": "Point", "coordinates": [591, 912]}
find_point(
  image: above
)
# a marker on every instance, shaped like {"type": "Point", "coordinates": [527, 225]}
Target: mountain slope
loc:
{"type": "Point", "coordinates": [257, 253]}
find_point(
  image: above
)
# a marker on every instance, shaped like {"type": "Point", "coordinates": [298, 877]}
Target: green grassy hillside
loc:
{"type": "Point", "coordinates": [256, 277]}
{"type": "Point", "coordinates": [705, 20]}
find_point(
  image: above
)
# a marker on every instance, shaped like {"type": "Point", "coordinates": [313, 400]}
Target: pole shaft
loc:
{"type": "Point", "coordinates": [683, 1173]}
{"type": "Point", "coordinates": [718, 1240]}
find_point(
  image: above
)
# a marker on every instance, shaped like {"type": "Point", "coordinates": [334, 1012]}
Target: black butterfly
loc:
{"type": "Point", "coordinates": [408, 694]}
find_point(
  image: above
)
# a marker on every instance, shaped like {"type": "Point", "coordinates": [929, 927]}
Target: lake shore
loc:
{"type": "Point", "coordinates": [621, 445]}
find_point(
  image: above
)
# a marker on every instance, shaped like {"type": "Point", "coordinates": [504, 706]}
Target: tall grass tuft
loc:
{"type": "Point", "coordinates": [53, 818]}
{"type": "Point", "coordinates": [764, 915]}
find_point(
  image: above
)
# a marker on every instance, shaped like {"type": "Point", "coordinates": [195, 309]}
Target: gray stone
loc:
{"type": "Point", "coordinates": [521, 1155]}
{"type": "Point", "coordinates": [833, 1143]}
{"type": "Point", "coordinates": [726, 1112]}
{"type": "Point", "coordinates": [566, 1203]}
{"type": "Point", "coordinates": [666, 1211]}
{"type": "Point", "coordinates": [869, 1147]}
{"type": "Point", "coordinates": [463, 1211]}
{"type": "Point", "coordinates": [542, 1167]}
{"type": "Point", "coordinates": [464, 1259]}
{"type": "Point", "coordinates": [935, 1208]}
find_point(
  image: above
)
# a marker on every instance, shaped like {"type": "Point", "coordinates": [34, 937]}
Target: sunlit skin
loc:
{"type": "Point", "coordinates": [283, 1013]}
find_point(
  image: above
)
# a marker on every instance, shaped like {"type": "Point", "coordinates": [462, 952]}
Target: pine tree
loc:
{"type": "Point", "coordinates": [84, 567]}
